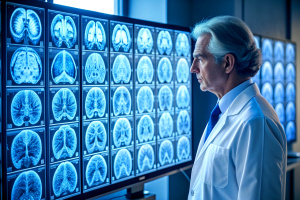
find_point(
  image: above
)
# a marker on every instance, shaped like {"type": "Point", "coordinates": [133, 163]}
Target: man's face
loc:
{"type": "Point", "coordinates": [210, 75]}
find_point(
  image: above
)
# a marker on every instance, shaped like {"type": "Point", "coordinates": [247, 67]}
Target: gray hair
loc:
{"type": "Point", "coordinates": [231, 35]}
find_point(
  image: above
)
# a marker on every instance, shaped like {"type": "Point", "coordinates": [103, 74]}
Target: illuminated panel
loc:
{"type": "Point", "coordinates": [279, 51]}
{"type": "Point", "coordinates": [144, 99]}
{"type": "Point", "coordinates": [267, 49]}
{"type": "Point", "coordinates": [279, 93]}
{"type": "Point", "coordinates": [164, 70]}
{"type": "Point", "coordinates": [257, 41]}
{"type": "Point", "coordinates": [182, 71]}
{"type": "Point", "coordinates": [121, 68]}
{"type": "Point", "coordinates": [182, 44]}
{"type": "Point", "coordinates": [95, 102]}
{"type": "Point", "coordinates": [183, 122]}
{"type": "Point", "coordinates": [290, 73]}
{"type": "Point", "coordinates": [183, 149]}
{"type": "Point", "coordinates": [279, 72]}
{"type": "Point", "coordinates": [122, 164]}
{"type": "Point", "coordinates": [164, 41]}
{"type": "Point", "coordinates": [121, 132]}
{"type": "Point", "coordinates": [144, 36]}
{"type": "Point", "coordinates": [290, 53]}
{"type": "Point", "coordinates": [267, 72]}
{"type": "Point", "coordinates": [145, 158]}
{"type": "Point", "coordinates": [121, 101]}
{"type": "Point", "coordinates": [144, 69]}
{"type": "Point", "coordinates": [145, 128]}
{"type": "Point", "coordinates": [166, 153]}
{"type": "Point", "coordinates": [165, 98]}
{"type": "Point", "coordinates": [267, 92]}
{"type": "Point", "coordinates": [121, 37]}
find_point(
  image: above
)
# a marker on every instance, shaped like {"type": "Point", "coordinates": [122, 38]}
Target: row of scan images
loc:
{"type": "Point", "coordinates": [26, 66]}
{"type": "Point", "coordinates": [279, 93]}
{"type": "Point", "coordinates": [27, 25]}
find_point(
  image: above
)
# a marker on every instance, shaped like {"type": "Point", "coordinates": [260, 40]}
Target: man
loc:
{"type": "Point", "coordinates": [242, 152]}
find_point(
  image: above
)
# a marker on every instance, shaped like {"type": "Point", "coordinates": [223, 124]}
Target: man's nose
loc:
{"type": "Point", "coordinates": [193, 68]}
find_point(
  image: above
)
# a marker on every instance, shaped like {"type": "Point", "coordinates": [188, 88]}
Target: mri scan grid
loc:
{"type": "Point", "coordinates": [25, 108]}
{"type": "Point", "coordinates": [63, 30]}
{"type": "Point", "coordinates": [182, 44]}
{"type": "Point", "coordinates": [144, 39]}
{"type": "Point", "coordinates": [122, 132]}
{"type": "Point", "coordinates": [144, 69]}
{"type": "Point", "coordinates": [96, 171]}
{"type": "Point", "coordinates": [95, 137]}
{"type": "Point", "coordinates": [94, 34]}
{"type": "Point", "coordinates": [145, 99]}
{"type": "Point", "coordinates": [121, 37]}
{"type": "Point", "coordinates": [145, 128]}
{"type": "Point", "coordinates": [164, 41]}
{"type": "Point", "coordinates": [64, 142]}
{"type": "Point", "coordinates": [121, 101]}
{"type": "Point", "coordinates": [121, 68]}
{"type": "Point", "coordinates": [166, 152]}
{"type": "Point", "coordinates": [25, 25]}
{"type": "Point", "coordinates": [25, 149]}
{"type": "Point", "coordinates": [145, 157]}
{"type": "Point", "coordinates": [122, 164]}
{"type": "Point", "coordinates": [28, 184]}
{"type": "Point", "coordinates": [183, 148]}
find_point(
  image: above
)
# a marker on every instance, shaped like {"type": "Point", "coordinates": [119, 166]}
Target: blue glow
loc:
{"type": "Point", "coordinates": [182, 45]}
{"type": "Point", "coordinates": [96, 170]}
{"type": "Point", "coordinates": [183, 148]}
{"type": "Point", "coordinates": [165, 125]}
{"type": "Point", "coordinates": [94, 35]}
{"type": "Point", "coordinates": [183, 97]}
{"type": "Point", "coordinates": [145, 129]}
{"type": "Point", "coordinates": [122, 164]}
{"type": "Point", "coordinates": [144, 40]}
{"type": "Point", "coordinates": [96, 137]}
{"type": "Point", "coordinates": [94, 70]}
{"type": "Point", "coordinates": [182, 71]}
{"type": "Point", "coordinates": [145, 158]}
{"type": "Point", "coordinates": [165, 98]}
{"type": "Point", "coordinates": [95, 103]}
{"type": "Point", "coordinates": [145, 71]}
{"type": "Point", "coordinates": [266, 71]}
{"type": "Point", "coordinates": [164, 70]}
{"type": "Point", "coordinates": [121, 70]}
{"type": "Point", "coordinates": [64, 104]}
{"type": "Point", "coordinates": [164, 43]}
{"type": "Point", "coordinates": [121, 101]}
{"type": "Point", "coordinates": [122, 134]}
{"type": "Point", "coordinates": [121, 38]}
{"type": "Point", "coordinates": [166, 152]}
{"type": "Point", "coordinates": [183, 122]}
{"type": "Point", "coordinates": [145, 99]}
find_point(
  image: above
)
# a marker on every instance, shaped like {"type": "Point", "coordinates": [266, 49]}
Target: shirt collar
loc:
{"type": "Point", "coordinates": [228, 98]}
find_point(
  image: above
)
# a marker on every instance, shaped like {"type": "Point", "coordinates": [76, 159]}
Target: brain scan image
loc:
{"type": "Point", "coordinates": [145, 99]}
{"type": "Point", "coordinates": [121, 38]}
{"type": "Point", "coordinates": [267, 92]}
{"type": "Point", "coordinates": [145, 158]}
{"type": "Point", "coordinates": [144, 41]}
{"type": "Point", "coordinates": [95, 103]}
{"type": "Point", "coordinates": [290, 72]}
{"type": "Point", "coordinates": [122, 132]}
{"type": "Point", "coordinates": [166, 152]}
{"type": "Point", "coordinates": [164, 70]}
{"type": "Point", "coordinates": [290, 131]}
{"type": "Point", "coordinates": [145, 129]}
{"type": "Point", "coordinates": [183, 97]}
{"type": "Point", "coordinates": [25, 25]}
{"type": "Point", "coordinates": [26, 66]}
{"type": "Point", "coordinates": [279, 108]}
{"type": "Point", "coordinates": [121, 101]}
{"type": "Point", "coordinates": [279, 93]}
{"type": "Point", "coordinates": [64, 142]}
{"type": "Point", "coordinates": [64, 105]}
{"type": "Point", "coordinates": [279, 72]}
{"type": "Point", "coordinates": [28, 185]}
{"type": "Point", "coordinates": [64, 179]}
{"type": "Point", "coordinates": [165, 125]}
{"type": "Point", "coordinates": [26, 106]}
{"type": "Point", "coordinates": [266, 71]}
{"type": "Point", "coordinates": [145, 70]}
{"type": "Point", "coordinates": [183, 122]}
{"type": "Point", "coordinates": [26, 149]}
{"type": "Point", "coordinates": [183, 148]}
{"type": "Point", "coordinates": [256, 39]}
{"type": "Point", "coordinates": [182, 45]}
{"type": "Point", "coordinates": [165, 98]}
{"type": "Point", "coordinates": [279, 51]}
{"type": "Point", "coordinates": [290, 111]}
{"type": "Point", "coordinates": [96, 170]}
{"type": "Point", "coordinates": [267, 50]}
{"type": "Point", "coordinates": [290, 53]}
{"type": "Point", "coordinates": [290, 92]}
{"type": "Point", "coordinates": [122, 164]}
{"type": "Point", "coordinates": [121, 70]}
{"type": "Point", "coordinates": [94, 36]}
{"type": "Point", "coordinates": [63, 68]}
{"type": "Point", "coordinates": [182, 71]}
{"type": "Point", "coordinates": [95, 69]}
{"type": "Point", "coordinates": [63, 30]}
{"type": "Point", "coordinates": [96, 137]}
{"type": "Point", "coordinates": [164, 43]}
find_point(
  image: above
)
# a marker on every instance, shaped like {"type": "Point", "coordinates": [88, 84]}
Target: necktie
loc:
{"type": "Point", "coordinates": [214, 117]}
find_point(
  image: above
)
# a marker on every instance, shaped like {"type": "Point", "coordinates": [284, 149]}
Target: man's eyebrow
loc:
{"type": "Point", "coordinates": [199, 55]}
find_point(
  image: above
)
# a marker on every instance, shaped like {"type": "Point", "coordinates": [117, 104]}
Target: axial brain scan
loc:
{"type": "Point", "coordinates": [145, 158]}
{"type": "Point", "coordinates": [290, 111]}
{"type": "Point", "coordinates": [63, 30]}
{"type": "Point", "coordinates": [183, 148]}
{"type": "Point", "coordinates": [28, 185]}
{"type": "Point", "coordinates": [25, 24]}
{"type": "Point", "coordinates": [145, 99]}
{"type": "Point", "coordinates": [122, 132]}
{"type": "Point", "coordinates": [121, 101]}
{"type": "Point", "coordinates": [95, 103]}
{"type": "Point", "coordinates": [145, 71]}
{"type": "Point", "coordinates": [267, 92]}
{"type": "Point", "coordinates": [96, 170]}
{"type": "Point", "coordinates": [96, 137]}
{"type": "Point", "coordinates": [267, 72]}
{"type": "Point", "coordinates": [63, 68]}
{"type": "Point", "coordinates": [121, 38]}
{"type": "Point", "coordinates": [26, 106]}
{"type": "Point", "coordinates": [183, 97]}
{"type": "Point", "coordinates": [122, 164]}
{"type": "Point", "coordinates": [64, 179]}
{"type": "Point", "coordinates": [182, 71]}
{"type": "Point", "coordinates": [183, 122]}
{"type": "Point", "coordinates": [290, 53]}
{"type": "Point", "coordinates": [64, 104]}
{"type": "Point", "coordinates": [165, 125]}
{"type": "Point", "coordinates": [94, 35]}
{"type": "Point", "coordinates": [290, 72]}
{"type": "Point", "coordinates": [26, 149]}
{"type": "Point", "coordinates": [144, 41]}
{"type": "Point", "coordinates": [121, 70]}
{"type": "Point", "coordinates": [290, 92]}
{"type": "Point", "coordinates": [279, 72]}
{"type": "Point", "coordinates": [145, 129]}
{"type": "Point", "coordinates": [290, 131]}
{"type": "Point", "coordinates": [278, 51]}
{"type": "Point", "coordinates": [166, 152]}
{"type": "Point", "coordinates": [182, 45]}
{"type": "Point", "coordinates": [280, 112]}
{"type": "Point", "coordinates": [164, 70]}
{"type": "Point", "coordinates": [165, 98]}
{"type": "Point", "coordinates": [279, 93]}
{"type": "Point", "coordinates": [95, 68]}
{"type": "Point", "coordinates": [64, 142]}
{"type": "Point", "coordinates": [267, 50]}
{"type": "Point", "coordinates": [164, 43]}
{"type": "Point", "coordinates": [26, 66]}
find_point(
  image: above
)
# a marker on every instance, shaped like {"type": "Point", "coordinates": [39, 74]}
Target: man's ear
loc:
{"type": "Point", "coordinates": [229, 61]}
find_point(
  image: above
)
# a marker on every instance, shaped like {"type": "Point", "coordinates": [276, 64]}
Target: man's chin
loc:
{"type": "Point", "coordinates": [203, 88]}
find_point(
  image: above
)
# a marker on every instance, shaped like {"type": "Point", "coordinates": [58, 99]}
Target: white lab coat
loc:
{"type": "Point", "coordinates": [244, 156]}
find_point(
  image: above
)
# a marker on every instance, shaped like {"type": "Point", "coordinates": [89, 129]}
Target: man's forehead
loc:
{"type": "Point", "coordinates": [201, 44]}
